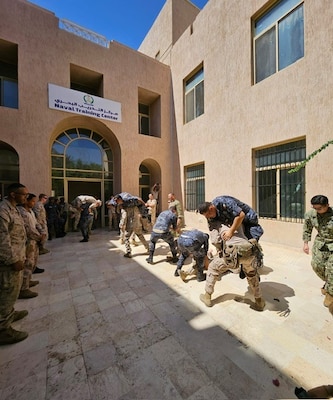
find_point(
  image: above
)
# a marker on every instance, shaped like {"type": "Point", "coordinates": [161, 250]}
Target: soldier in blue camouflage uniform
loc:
{"type": "Point", "coordinates": [12, 257]}
{"type": "Point", "coordinates": [236, 253]}
{"type": "Point", "coordinates": [321, 218]}
{"type": "Point", "coordinates": [133, 206]}
{"type": "Point", "coordinates": [165, 226]}
{"type": "Point", "coordinates": [196, 243]}
{"type": "Point", "coordinates": [232, 212]}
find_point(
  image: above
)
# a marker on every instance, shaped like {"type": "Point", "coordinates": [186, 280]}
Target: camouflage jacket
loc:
{"type": "Point", "coordinates": [12, 234]}
{"type": "Point", "coordinates": [323, 223]}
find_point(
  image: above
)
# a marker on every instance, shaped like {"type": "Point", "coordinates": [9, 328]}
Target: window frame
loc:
{"type": "Point", "coordinates": [191, 204]}
{"type": "Point", "coordinates": [141, 116]}
{"type": "Point", "coordinates": [273, 178]}
{"type": "Point", "coordinates": [283, 9]}
{"type": "Point", "coordinates": [192, 84]}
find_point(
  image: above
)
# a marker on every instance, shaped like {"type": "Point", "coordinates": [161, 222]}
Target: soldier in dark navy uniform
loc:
{"type": "Point", "coordinates": [229, 211]}
{"type": "Point", "coordinates": [166, 223]}
{"type": "Point", "coordinates": [193, 243]}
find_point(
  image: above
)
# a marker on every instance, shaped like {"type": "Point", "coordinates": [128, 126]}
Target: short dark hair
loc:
{"type": "Point", "coordinates": [203, 207]}
{"type": "Point", "coordinates": [13, 187]}
{"type": "Point", "coordinates": [31, 196]}
{"type": "Point", "coordinates": [319, 199]}
{"type": "Point", "coordinates": [42, 195]}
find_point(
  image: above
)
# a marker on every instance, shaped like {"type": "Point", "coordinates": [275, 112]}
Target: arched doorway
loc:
{"type": "Point", "coordinates": [149, 174]}
{"type": "Point", "coordinates": [9, 167]}
{"type": "Point", "coordinates": [82, 163]}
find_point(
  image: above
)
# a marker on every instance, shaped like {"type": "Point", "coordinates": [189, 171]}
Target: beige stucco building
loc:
{"type": "Point", "coordinates": [223, 100]}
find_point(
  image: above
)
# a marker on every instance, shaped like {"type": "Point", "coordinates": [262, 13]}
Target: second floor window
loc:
{"type": "Point", "coordinates": [194, 96]}
{"type": "Point", "coordinates": [278, 38]}
{"type": "Point", "coordinates": [144, 120]}
{"type": "Point", "coordinates": [8, 92]}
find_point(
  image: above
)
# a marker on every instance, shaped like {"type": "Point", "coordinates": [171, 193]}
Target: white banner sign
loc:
{"type": "Point", "coordinates": [76, 102]}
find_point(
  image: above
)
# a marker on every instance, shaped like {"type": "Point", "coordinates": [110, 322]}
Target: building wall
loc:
{"type": "Point", "coordinates": [241, 116]}
{"type": "Point", "coordinates": [45, 53]}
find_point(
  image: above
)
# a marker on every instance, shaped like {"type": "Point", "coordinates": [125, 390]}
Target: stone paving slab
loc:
{"type": "Point", "coordinates": [108, 327]}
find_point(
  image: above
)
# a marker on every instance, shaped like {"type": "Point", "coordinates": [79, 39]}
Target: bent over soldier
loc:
{"type": "Point", "coordinates": [196, 243]}
{"type": "Point", "coordinates": [238, 253]}
{"type": "Point", "coordinates": [165, 226]}
{"type": "Point", "coordinates": [321, 219]}
{"type": "Point", "coordinates": [133, 206]}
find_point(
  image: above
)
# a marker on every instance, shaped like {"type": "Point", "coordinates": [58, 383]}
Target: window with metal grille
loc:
{"type": "Point", "coordinates": [279, 194]}
{"type": "Point", "coordinates": [194, 96]}
{"type": "Point", "coordinates": [194, 186]}
{"type": "Point", "coordinates": [278, 38]}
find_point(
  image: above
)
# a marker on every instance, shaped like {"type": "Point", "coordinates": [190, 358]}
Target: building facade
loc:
{"type": "Point", "coordinates": [223, 100]}
{"type": "Point", "coordinates": [253, 97]}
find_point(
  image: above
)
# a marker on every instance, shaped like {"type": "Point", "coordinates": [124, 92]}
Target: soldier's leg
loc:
{"type": "Point", "coordinates": [200, 260]}
{"type": "Point", "coordinates": [168, 238]}
{"type": "Point", "coordinates": [216, 268]}
{"type": "Point", "coordinates": [10, 284]}
{"type": "Point", "coordinates": [252, 276]}
{"type": "Point", "coordinates": [183, 256]}
{"type": "Point", "coordinates": [328, 302]}
{"type": "Point", "coordinates": [318, 262]}
{"type": "Point", "coordinates": [151, 247]}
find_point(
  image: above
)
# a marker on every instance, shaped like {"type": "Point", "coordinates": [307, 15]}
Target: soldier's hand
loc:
{"type": "Point", "coordinates": [18, 266]}
{"type": "Point", "coordinates": [306, 248]}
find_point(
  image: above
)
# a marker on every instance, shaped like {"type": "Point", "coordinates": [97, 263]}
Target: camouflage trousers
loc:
{"type": "Point", "coordinates": [133, 224]}
{"type": "Point", "coordinates": [219, 266]}
{"type": "Point", "coordinates": [322, 264]}
{"type": "Point", "coordinates": [10, 284]}
{"type": "Point", "coordinates": [31, 254]}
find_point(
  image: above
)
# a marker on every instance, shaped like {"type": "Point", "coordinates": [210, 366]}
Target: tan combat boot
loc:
{"type": "Point", "coordinates": [260, 304]}
{"type": "Point", "coordinates": [328, 300]}
{"type": "Point", "coordinates": [10, 336]}
{"type": "Point", "coordinates": [321, 392]}
{"type": "Point", "coordinates": [206, 298]}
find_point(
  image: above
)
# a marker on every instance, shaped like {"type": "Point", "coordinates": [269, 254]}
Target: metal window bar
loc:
{"type": "Point", "coordinates": [84, 33]}
{"type": "Point", "coordinates": [195, 187]}
{"type": "Point", "coordinates": [281, 195]}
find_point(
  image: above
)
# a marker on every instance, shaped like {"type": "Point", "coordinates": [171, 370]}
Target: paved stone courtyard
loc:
{"type": "Point", "coordinates": [108, 327]}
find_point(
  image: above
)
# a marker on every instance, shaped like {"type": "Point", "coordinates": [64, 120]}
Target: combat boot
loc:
{"type": "Point", "coordinates": [27, 294]}
{"type": "Point", "coordinates": [201, 276]}
{"type": "Point", "coordinates": [19, 315]}
{"type": "Point", "coordinates": [328, 300]}
{"type": "Point", "coordinates": [259, 304]}
{"type": "Point", "coordinates": [10, 336]}
{"type": "Point", "coordinates": [43, 250]}
{"type": "Point", "coordinates": [150, 260]}
{"type": "Point", "coordinates": [323, 290]}
{"type": "Point", "coordinates": [33, 283]}
{"type": "Point", "coordinates": [321, 392]}
{"type": "Point", "coordinates": [177, 272]}
{"type": "Point", "coordinates": [207, 299]}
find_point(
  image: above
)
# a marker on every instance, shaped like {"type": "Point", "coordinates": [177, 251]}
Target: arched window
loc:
{"type": "Point", "coordinates": [81, 154]}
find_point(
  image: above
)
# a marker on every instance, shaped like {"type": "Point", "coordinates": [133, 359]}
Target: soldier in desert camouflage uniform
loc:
{"type": "Point", "coordinates": [34, 237]}
{"type": "Point", "coordinates": [321, 218]}
{"type": "Point", "coordinates": [238, 253]}
{"type": "Point", "coordinates": [12, 257]}
{"type": "Point", "coordinates": [40, 213]}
